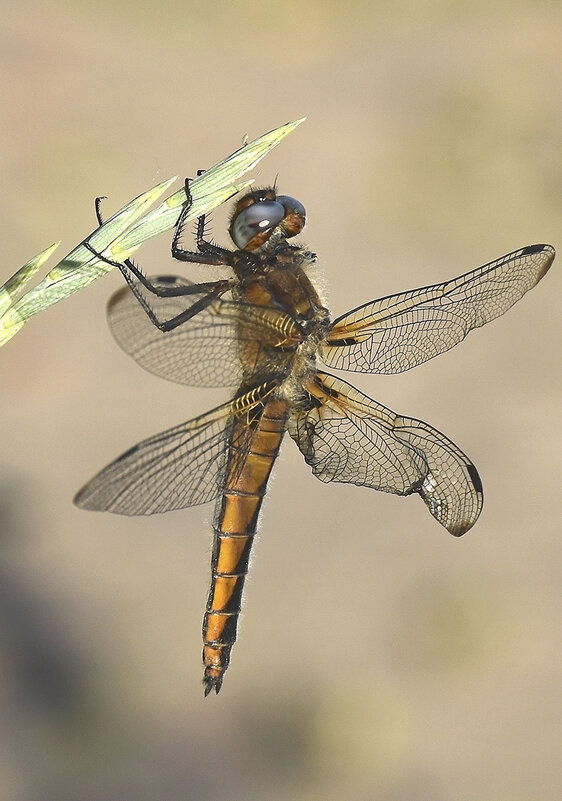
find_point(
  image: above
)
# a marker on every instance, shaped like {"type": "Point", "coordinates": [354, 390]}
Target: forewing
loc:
{"type": "Point", "coordinates": [205, 350]}
{"type": "Point", "coordinates": [181, 467]}
{"type": "Point", "coordinates": [398, 332]}
{"type": "Point", "coordinates": [348, 437]}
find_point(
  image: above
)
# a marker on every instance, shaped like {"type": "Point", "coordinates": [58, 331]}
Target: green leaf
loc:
{"type": "Point", "coordinates": [18, 281]}
{"type": "Point", "coordinates": [123, 233]}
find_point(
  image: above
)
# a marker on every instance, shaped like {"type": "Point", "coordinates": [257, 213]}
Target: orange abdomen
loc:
{"type": "Point", "coordinates": [236, 516]}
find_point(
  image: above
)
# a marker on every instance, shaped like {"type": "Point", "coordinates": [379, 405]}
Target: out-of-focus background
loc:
{"type": "Point", "coordinates": [379, 658]}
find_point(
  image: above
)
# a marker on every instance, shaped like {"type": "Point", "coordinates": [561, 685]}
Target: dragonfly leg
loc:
{"type": "Point", "coordinates": [207, 252]}
{"type": "Point", "coordinates": [214, 290]}
{"type": "Point", "coordinates": [97, 203]}
{"type": "Point", "coordinates": [127, 262]}
{"type": "Point", "coordinates": [187, 314]}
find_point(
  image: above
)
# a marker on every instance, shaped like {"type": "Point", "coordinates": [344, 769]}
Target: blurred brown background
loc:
{"type": "Point", "coordinates": [379, 658]}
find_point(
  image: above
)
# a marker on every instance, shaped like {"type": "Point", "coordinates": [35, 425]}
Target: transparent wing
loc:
{"type": "Point", "coordinates": [398, 332]}
{"type": "Point", "coordinates": [181, 467]}
{"type": "Point", "coordinates": [201, 352]}
{"type": "Point", "coordinates": [204, 351]}
{"type": "Point", "coordinates": [348, 437]}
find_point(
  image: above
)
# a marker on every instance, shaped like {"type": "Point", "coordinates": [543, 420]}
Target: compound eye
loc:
{"type": "Point", "coordinates": [259, 218]}
{"type": "Point", "coordinates": [292, 206]}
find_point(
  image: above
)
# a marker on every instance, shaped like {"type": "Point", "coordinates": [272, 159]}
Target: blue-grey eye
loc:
{"type": "Point", "coordinates": [292, 205]}
{"type": "Point", "coordinates": [255, 219]}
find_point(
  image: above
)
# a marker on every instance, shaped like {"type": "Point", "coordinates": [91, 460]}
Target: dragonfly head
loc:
{"type": "Point", "coordinates": [261, 212]}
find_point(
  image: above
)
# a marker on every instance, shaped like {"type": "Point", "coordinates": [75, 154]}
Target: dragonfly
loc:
{"type": "Point", "coordinates": [266, 331]}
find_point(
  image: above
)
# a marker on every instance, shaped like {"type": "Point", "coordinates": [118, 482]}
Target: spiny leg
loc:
{"type": "Point", "coordinates": [214, 289]}
{"type": "Point", "coordinates": [207, 252]}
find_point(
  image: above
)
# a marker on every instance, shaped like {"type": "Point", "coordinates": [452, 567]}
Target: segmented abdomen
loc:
{"type": "Point", "coordinates": [234, 527]}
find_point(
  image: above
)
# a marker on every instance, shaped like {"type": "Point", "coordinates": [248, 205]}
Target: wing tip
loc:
{"type": "Point", "coordinates": [527, 251]}
{"type": "Point", "coordinates": [459, 528]}
{"type": "Point", "coordinates": [86, 498]}
{"type": "Point", "coordinates": [81, 499]}
{"type": "Point", "coordinates": [548, 257]}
